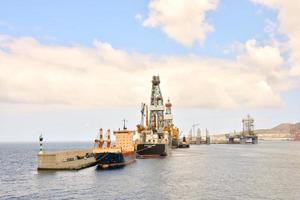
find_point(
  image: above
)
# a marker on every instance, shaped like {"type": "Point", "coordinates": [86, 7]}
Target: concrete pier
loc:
{"type": "Point", "coordinates": [66, 160]}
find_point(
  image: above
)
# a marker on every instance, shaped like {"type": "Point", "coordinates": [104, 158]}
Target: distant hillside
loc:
{"type": "Point", "coordinates": [280, 132]}
{"type": "Point", "coordinates": [281, 128]}
{"type": "Point", "coordinates": [285, 127]}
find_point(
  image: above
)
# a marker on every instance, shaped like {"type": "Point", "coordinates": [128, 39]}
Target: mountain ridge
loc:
{"type": "Point", "coordinates": [283, 127]}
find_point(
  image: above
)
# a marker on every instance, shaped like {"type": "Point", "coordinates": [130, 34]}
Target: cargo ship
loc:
{"type": "Point", "coordinates": [118, 155]}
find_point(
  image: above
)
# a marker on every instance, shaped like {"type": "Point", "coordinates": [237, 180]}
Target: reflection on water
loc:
{"type": "Point", "coordinates": [269, 170]}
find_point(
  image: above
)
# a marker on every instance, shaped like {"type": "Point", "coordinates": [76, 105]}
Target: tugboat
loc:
{"type": "Point", "coordinates": [184, 143]}
{"type": "Point", "coordinates": [118, 155]}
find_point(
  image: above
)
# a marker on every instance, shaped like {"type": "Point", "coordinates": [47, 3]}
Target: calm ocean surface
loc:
{"type": "Point", "coordinates": [269, 170]}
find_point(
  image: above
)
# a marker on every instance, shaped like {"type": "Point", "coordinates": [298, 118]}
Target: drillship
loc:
{"type": "Point", "coordinates": [158, 131]}
{"type": "Point", "coordinates": [118, 155]}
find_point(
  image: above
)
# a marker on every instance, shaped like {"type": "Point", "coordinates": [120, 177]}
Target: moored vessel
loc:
{"type": "Point", "coordinates": [184, 143]}
{"type": "Point", "coordinates": [157, 132]}
{"type": "Point", "coordinates": [152, 145]}
{"type": "Point", "coordinates": [118, 155]}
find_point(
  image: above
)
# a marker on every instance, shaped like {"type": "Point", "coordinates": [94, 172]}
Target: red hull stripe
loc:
{"type": "Point", "coordinates": [150, 156]}
{"type": "Point", "coordinates": [116, 164]}
{"type": "Point", "coordinates": [128, 153]}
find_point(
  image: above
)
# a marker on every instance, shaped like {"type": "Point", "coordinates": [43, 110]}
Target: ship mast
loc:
{"type": "Point", "coordinates": [248, 125]}
{"type": "Point", "coordinates": [124, 124]}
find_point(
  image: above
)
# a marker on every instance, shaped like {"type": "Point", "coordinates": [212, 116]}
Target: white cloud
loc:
{"type": "Point", "coordinates": [103, 76]}
{"type": "Point", "coordinates": [183, 21]}
{"type": "Point", "coordinates": [270, 28]}
{"type": "Point", "coordinates": [138, 17]}
{"type": "Point", "coordinates": [289, 23]}
{"type": "Point", "coordinates": [268, 61]}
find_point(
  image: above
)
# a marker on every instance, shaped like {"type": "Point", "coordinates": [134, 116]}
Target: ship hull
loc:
{"type": "Point", "coordinates": [184, 145]}
{"type": "Point", "coordinates": [114, 160]}
{"type": "Point", "coordinates": [152, 150]}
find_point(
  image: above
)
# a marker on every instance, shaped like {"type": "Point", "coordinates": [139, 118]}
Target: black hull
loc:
{"type": "Point", "coordinates": [184, 146]}
{"type": "Point", "coordinates": [114, 160]}
{"type": "Point", "coordinates": [151, 150]}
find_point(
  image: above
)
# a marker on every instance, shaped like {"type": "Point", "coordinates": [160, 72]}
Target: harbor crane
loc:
{"type": "Point", "coordinates": [143, 107]}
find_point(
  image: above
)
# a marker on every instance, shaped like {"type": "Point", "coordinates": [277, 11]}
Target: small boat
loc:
{"type": "Point", "coordinates": [118, 155]}
{"type": "Point", "coordinates": [184, 143]}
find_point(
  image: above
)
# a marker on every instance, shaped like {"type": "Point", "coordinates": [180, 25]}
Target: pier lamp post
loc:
{"type": "Point", "coordinates": [41, 144]}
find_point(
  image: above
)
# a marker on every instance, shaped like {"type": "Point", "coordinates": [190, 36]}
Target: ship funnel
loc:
{"type": "Point", "coordinates": [101, 141]}
{"type": "Point", "coordinates": [108, 141]}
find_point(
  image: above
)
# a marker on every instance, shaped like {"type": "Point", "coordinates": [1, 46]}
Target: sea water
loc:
{"type": "Point", "coordinates": [268, 170]}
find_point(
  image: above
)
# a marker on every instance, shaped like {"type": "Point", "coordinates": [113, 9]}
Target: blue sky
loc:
{"type": "Point", "coordinates": [79, 24]}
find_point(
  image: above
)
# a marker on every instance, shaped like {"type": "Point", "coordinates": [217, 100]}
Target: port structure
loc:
{"type": "Point", "coordinates": [247, 136]}
{"type": "Point", "coordinates": [207, 140]}
{"type": "Point", "coordinates": [64, 160]}
{"type": "Point", "coordinates": [198, 136]}
{"type": "Point", "coordinates": [192, 137]}
{"type": "Point", "coordinates": [193, 128]}
{"type": "Point", "coordinates": [198, 139]}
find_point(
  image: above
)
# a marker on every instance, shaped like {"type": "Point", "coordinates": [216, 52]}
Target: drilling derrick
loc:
{"type": "Point", "coordinates": [248, 125]}
{"type": "Point", "coordinates": [156, 106]}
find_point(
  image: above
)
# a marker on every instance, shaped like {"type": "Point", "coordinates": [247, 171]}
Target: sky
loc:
{"type": "Point", "coordinates": [71, 67]}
